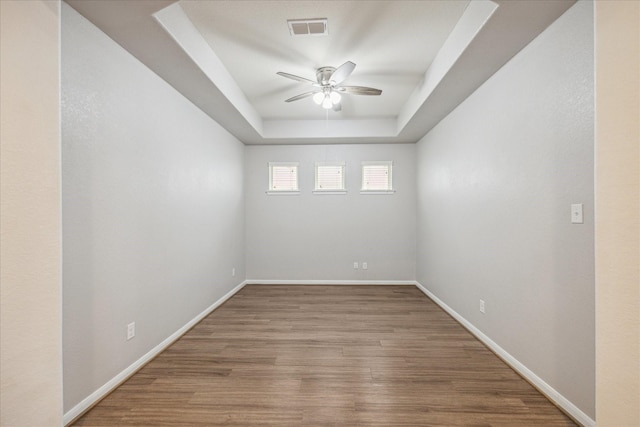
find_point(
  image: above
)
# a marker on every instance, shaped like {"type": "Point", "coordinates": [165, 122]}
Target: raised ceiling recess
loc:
{"type": "Point", "coordinates": [425, 57]}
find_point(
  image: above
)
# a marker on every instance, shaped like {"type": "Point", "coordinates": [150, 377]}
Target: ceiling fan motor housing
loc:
{"type": "Point", "coordinates": [324, 75]}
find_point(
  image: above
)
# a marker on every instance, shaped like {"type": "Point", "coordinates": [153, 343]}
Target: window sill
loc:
{"type": "Point", "coordinates": [283, 193]}
{"type": "Point", "coordinates": [329, 191]}
{"type": "Point", "coordinates": [377, 192]}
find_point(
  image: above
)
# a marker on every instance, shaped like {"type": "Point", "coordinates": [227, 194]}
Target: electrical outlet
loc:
{"type": "Point", "coordinates": [364, 265]}
{"type": "Point", "coordinates": [482, 306]}
{"type": "Point", "coordinates": [576, 214]}
{"type": "Point", "coordinates": [355, 265]}
{"type": "Point", "coordinates": [233, 272]}
{"type": "Point", "coordinates": [131, 330]}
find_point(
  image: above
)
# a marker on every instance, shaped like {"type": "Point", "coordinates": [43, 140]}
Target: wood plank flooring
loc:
{"type": "Point", "coordinates": [326, 356]}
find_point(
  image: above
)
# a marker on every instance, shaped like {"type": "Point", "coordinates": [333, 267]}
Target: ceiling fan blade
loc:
{"type": "Point", "coordinates": [337, 107]}
{"type": "Point", "coordinates": [342, 72]}
{"type": "Point", "coordinates": [359, 90]}
{"type": "Point", "coordinates": [296, 78]}
{"type": "Point", "coordinates": [301, 96]}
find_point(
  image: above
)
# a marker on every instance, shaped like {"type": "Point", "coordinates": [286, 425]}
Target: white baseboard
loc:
{"type": "Point", "coordinates": [107, 388]}
{"type": "Point", "coordinates": [536, 381]}
{"type": "Point", "coordinates": [331, 282]}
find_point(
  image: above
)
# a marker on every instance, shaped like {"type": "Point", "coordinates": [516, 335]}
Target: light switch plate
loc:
{"type": "Point", "coordinates": [576, 214]}
{"type": "Point", "coordinates": [131, 330]}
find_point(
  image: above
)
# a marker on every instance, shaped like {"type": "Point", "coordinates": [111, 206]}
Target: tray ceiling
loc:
{"type": "Point", "coordinates": [426, 56]}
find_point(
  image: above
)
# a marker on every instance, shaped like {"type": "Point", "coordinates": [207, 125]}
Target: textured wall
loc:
{"type": "Point", "coordinates": [318, 237]}
{"type": "Point", "coordinates": [618, 213]}
{"type": "Point", "coordinates": [496, 179]}
{"type": "Point", "coordinates": [153, 214]}
{"type": "Point", "coordinates": [30, 252]}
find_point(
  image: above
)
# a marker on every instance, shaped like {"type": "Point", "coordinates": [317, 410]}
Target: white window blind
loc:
{"type": "Point", "coordinates": [283, 177]}
{"type": "Point", "coordinates": [377, 176]}
{"type": "Point", "coordinates": [330, 177]}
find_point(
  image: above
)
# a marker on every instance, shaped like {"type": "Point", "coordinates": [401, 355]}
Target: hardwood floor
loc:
{"type": "Point", "coordinates": [326, 355]}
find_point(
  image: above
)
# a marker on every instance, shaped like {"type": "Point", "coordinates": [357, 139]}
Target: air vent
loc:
{"type": "Point", "coordinates": [308, 27]}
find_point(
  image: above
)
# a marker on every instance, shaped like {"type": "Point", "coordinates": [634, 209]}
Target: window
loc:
{"type": "Point", "coordinates": [283, 178]}
{"type": "Point", "coordinates": [377, 177]}
{"type": "Point", "coordinates": [330, 178]}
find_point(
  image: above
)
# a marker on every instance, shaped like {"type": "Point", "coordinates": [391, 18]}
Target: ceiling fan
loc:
{"type": "Point", "coordinates": [328, 89]}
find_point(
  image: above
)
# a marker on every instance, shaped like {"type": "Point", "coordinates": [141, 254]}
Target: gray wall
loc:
{"type": "Point", "coordinates": [495, 182]}
{"type": "Point", "coordinates": [318, 237]}
{"type": "Point", "coordinates": [153, 208]}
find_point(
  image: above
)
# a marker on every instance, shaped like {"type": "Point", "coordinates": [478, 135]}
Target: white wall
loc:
{"type": "Point", "coordinates": [618, 213]}
{"type": "Point", "coordinates": [495, 182]}
{"type": "Point", "coordinates": [30, 250]}
{"type": "Point", "coordinates": [318, 237]}
{"type": "Point", "coordinates": [153, 213]}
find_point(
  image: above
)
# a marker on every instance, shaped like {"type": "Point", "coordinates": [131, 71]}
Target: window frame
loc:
{"type": "Point", "coordinates": [342, 190]}
{"type": "Point", "coordinates": [389, 164]}
{"type": "Point", "coordinates": [273, 191]}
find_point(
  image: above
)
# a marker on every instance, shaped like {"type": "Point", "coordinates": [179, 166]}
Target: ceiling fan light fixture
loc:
{"type": "Point", "coordinates": [335, 97]}
{"type": "Point", "coordinates": [318, 98]}
{"type": "Point", "coordinates": [327, 104]}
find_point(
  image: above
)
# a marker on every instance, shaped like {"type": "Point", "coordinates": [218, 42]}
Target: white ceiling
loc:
{"type": "Point", "coordinates": [426, 55]}
{"type": "Point", "coordinates": [252, 39]}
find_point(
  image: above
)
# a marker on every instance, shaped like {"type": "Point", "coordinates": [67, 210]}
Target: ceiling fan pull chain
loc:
{"type": "Point", "coordinates": [326, 122]}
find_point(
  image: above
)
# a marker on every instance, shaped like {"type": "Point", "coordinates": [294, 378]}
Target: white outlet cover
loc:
{"type": "Point", "coordinates": [131, 330]}
{"type": "Point", "coordinates": [576, 214]}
